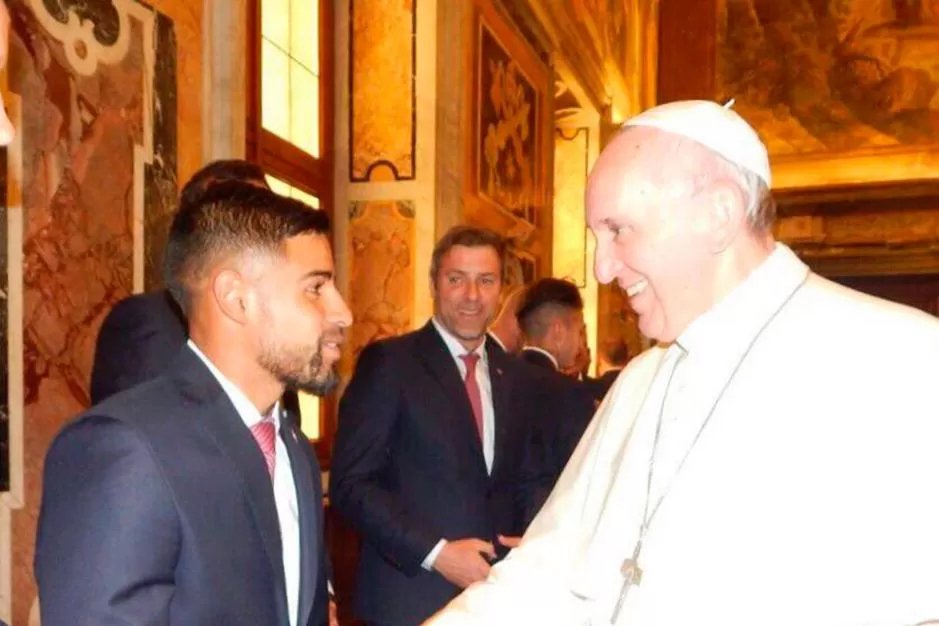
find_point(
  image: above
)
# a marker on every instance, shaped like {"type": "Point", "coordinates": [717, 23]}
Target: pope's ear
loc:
{"type": "Point", "coordinates": [726, 214]}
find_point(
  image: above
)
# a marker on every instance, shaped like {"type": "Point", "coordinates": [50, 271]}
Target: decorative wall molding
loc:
{"type": "Point", "coordinates": [14, 498]}
{"type": "Point", "coordinates": [87, 43]}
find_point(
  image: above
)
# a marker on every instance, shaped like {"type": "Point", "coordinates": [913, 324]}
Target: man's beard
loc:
{"type": "Point", "coordinates": [292, 366]}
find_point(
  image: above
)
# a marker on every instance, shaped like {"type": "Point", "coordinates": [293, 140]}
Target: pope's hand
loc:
{"type": "Point", "coordinates": [463, 562]}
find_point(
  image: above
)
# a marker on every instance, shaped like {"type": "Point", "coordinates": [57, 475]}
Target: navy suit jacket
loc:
{"type": "Point", "coordinates": [408, 470]}
{"type": "Point", "coordinates": [564, 407]}
{"type": "Point", "coordinates": [138, 339]}
{"type": "Point", "coordinates": [157, 508]}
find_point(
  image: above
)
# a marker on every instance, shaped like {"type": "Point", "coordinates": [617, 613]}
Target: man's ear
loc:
{"type": "Point", "coordinates": [726, 213]}
{"type": "Point", "coordinates": [231, 294]}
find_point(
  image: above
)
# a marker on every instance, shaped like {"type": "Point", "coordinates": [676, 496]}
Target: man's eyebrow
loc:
{"type": "Point", "coordinates": [319, 274]}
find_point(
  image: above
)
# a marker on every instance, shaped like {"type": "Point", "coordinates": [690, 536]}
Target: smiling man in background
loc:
{"type": "Point", "coordinates": [430, 455]}
{"type": "Point", "coordinates": [766, 464]}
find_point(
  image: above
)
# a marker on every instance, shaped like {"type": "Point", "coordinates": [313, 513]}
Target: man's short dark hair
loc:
{"type": "Point", "coordinates": [470, 237]}
{"type": "Point", "coordinates": [231, 217]}
{"type": "Point", "coordinates": [223, 170]}
{"type": "Point", "coordinates": [543, 300]}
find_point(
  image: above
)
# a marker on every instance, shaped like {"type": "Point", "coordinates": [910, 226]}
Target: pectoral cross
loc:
{"type": "Point", "coordinates": [632, 575]}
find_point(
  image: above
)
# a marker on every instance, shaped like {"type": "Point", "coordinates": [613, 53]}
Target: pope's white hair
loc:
{"type": "Point", "coordinates": [761, 207]}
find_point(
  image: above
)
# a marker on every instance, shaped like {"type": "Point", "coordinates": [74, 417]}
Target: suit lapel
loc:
{"type": "Point", "coordinates": [234, 440]}
{"type": "Point", "coordinates": [503, 418]}
{"type": "Point", "coordinates": [309, 501]}
{"type": "Point", "coordinates": [439, 362]}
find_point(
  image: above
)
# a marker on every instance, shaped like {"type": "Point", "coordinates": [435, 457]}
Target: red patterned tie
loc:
{"type": "Point", "coordinates": [472, 390]}
{"type": "Point", "coordinates": [266, 437]}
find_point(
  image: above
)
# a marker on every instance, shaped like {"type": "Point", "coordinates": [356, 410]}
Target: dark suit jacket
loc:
{"type": "Point", "coordinates": [157, 508]}
{"type": "Point", "coordinates": [600, 385]}
{"type": "Point", "coordinates": [408, 470]}
{"type": "Point", "coordinates": [138, 340]}
{"type": "Point", "coordinates": [564, 407]}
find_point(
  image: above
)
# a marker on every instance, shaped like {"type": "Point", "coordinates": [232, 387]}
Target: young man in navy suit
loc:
{"type": "Point", "coordinates": [551, 316]}
{"type": "Point", "coordinates": [190, 499]}
{"type": "Point", "coordinates": [430, 459]}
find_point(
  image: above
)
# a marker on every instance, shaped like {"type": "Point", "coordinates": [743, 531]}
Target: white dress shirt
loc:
{"type": "Point", "coordinates": [285, 492]}
{"type": "Point", "coordinates": [457, 350]}
{"type": "Point", "coordinates": [550, 356]}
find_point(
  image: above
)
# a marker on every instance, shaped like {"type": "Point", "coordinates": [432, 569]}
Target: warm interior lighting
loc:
{"type": "Point", "coordinates": [285, 189]}
{"type": "Point", "coordinates": [290, 72]}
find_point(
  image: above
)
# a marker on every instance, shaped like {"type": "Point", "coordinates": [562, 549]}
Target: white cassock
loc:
{"type": "Point", "coordinates": [811, 496]}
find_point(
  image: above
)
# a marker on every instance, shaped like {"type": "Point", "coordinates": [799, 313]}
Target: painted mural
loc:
{"type": "Point", "coordinates": [508, 114]}
{"type": "Point", "coordinates": [832, 76]}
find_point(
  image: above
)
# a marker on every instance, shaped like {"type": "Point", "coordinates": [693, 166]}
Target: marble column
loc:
{"type": "Point", "coordinates": [224, 95]}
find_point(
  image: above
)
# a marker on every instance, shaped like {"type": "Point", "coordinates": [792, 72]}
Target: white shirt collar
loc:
{"type": "Point", "coordinates": [554, 361]}
{"type": "Point", "coordinates": [455, 347]}
{"type": "Point", "coordinates": [739, 316]}
{"type": "Point", "coordinates": [495, 338]}
{"type": "Point", "coordinates": [246, 410]}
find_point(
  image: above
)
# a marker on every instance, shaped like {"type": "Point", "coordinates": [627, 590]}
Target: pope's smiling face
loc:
{"type": "Point", "coordinates": [651, 231]}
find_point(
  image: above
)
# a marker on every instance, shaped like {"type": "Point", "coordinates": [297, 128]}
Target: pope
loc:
{"type": "Point", "coordinates": [773, 460]}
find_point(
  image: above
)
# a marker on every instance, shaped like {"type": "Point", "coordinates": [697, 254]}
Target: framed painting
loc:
{"type": "Point", "coordinates": [508, 181]}
{"type": "Point", "coordinates": [843, 92]}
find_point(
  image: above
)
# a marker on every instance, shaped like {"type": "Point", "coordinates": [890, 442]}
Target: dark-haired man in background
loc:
{"type": "Point", "coordinates": [190, 499]}
{"type": "Point", "coordinates": [551, 316]}
{"type": "Point", "coordinates": [429, 459]}
{"type": "Point", "coordinates": [142, 334]}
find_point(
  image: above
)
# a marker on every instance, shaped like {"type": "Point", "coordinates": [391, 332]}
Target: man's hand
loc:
{"type": "Point", "coordinates": [462, 562]}
{"type": "Point", "coordinates": [510, 542]}
{"type": "Point", "coordinates": [333, 614]}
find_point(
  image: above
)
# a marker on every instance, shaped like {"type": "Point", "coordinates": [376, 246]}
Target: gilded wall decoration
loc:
{"type": "Point", "coordinates": [96, 178]}
{"type": "Point", "coordinates": [520, 269]}
{"type": "Point", "coordinates": [381, 284]}
{"type": "Point", "coordinates": [835, 86]}
{"type": "Point", "coordinates": [382, 75]}
{"type": "Point", "coordinates": [606, 23]}
{"type": "Point", "coordinates": [570, 185]}
{"type": "Point", "coordinates": [508, 125]}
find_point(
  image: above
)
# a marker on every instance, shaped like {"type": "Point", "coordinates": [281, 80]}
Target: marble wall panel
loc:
{"type": "Point", "coordinates": [97, 173]}
{"type": "Point", "coordinates": [381, 289]}
{"type": "Point", "coordinates": [382, 75]}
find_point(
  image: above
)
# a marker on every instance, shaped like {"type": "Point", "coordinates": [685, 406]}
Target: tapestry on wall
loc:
{"type": "Point", "coordinates": [96, 81]}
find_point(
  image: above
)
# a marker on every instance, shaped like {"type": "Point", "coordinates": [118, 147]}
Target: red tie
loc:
{"type": "Point", "coordinates": [266, 437]}
{"type": "Point", "coordinates": [472, 390]}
